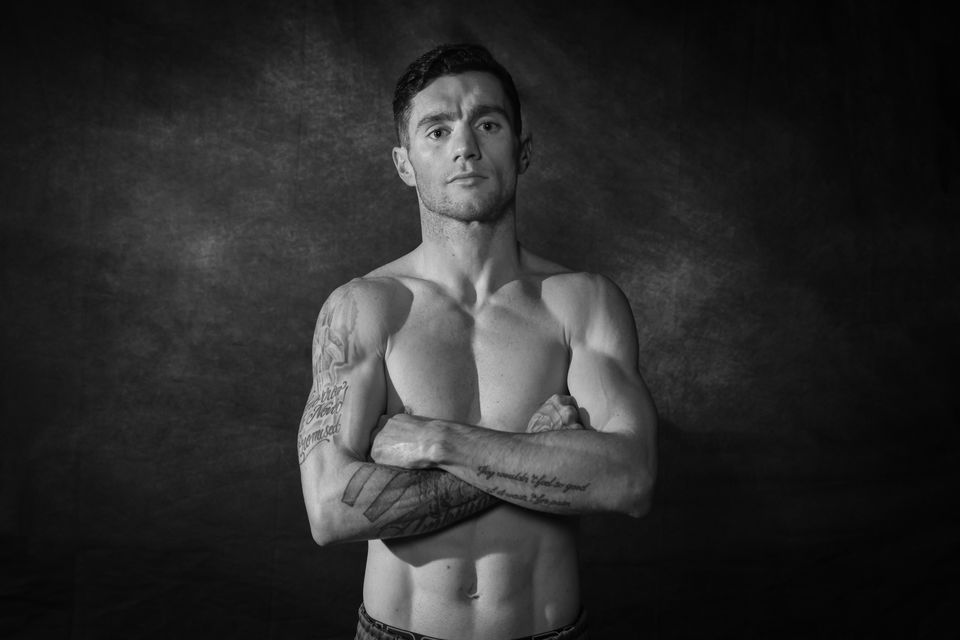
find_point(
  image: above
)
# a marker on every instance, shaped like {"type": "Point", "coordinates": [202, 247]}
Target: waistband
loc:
{"type": "Point", "coordinates": [372, 629]}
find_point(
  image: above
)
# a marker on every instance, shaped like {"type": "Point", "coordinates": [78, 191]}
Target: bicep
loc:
{"type": "Point", "coordinates": [603, 375]}
{"type": "Point", "coordinates": [612, 394]}
{"type": "Point", "coordinates": [348, 391]}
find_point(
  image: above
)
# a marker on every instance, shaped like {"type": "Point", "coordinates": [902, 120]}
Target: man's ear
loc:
{"type": "Point", "coordinates": [526, 153]}
{"type": "Point", "coordinates": [404, 168]}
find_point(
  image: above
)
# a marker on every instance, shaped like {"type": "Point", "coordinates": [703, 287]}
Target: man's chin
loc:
{"type": "Point", "coordinates": [473, 211]}
{"type": "Point", "coordinates": [483, 216]}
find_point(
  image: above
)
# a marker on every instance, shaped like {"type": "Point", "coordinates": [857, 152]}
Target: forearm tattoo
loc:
{"type": "Point", "coordinates": [405, 502]}
{"type": "Point", "coordinates": [332, 351]}
{"type": "Point", "coordinates": [531, 488]}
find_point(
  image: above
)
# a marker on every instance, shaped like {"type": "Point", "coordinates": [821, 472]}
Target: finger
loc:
{"type": "Point", "coordinates": [553, 415]}
{"type": "Point", "coordinates": [559, 400]}
{"type": "Point", "coordinates": [569, 414]}
{"type": "Point", "coordinates": [539, 422]}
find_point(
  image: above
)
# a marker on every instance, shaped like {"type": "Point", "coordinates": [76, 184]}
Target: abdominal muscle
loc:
{"type": "Point", "coordinates": [506, 573]}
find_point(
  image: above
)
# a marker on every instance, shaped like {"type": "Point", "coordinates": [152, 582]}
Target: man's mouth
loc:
{"type": "Point", "coordinates": [467, 176]}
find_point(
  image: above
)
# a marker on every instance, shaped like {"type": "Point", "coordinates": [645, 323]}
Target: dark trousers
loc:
{"type": "Point", "coordinates": [370, 629]}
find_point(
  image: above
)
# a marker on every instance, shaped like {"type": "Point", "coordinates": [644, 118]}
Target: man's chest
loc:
{"type": "Point", "coordinates": [492, 367]}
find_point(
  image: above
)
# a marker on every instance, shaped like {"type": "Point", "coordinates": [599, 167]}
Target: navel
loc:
{"type": "Point", "coordinates": [471, 590]}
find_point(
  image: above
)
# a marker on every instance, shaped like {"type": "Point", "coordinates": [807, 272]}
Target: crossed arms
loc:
{"type": "Point", "coordinates": [415, 474]}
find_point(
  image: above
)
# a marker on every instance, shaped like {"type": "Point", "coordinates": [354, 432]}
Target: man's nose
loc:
{"type": "Point", "coordinates": [465, 144]}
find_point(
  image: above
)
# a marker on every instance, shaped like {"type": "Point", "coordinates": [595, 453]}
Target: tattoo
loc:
{"type": "Point", "coordinates": [534, 498]}
{"type": "Point", "coordinates": [332, 343]}
{"type": "Point", "coordinates": [356, 484]}
{"type": "Point", "coordinates": [332, 339]}
{"type": "Point", "coordinates": [407, 502]}
{"type": "Point", "coordinates": [535, 481]}
{"type": "Point", "coordinates": [542, 481]}
{"type": "Point", "coordinates": [321, 418]}
{"type": "Point", "coordinates": [488, 473]}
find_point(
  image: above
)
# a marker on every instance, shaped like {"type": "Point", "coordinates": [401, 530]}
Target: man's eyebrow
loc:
{"type": "Point", "coordinates": [487, 109]}
{"type": "Point", "coordinates": [437, 116]}
{"type": "Point", "coordinates": [446, 116]}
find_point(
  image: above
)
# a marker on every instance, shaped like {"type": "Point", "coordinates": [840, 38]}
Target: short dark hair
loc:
{"type": "Point", "coordinates": [445, 60]}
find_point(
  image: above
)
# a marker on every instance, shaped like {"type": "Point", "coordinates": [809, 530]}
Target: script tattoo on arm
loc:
{"type": "Point", "coordinates": [407, 502]}
{"type": "Point", "coordinates": [332, 343]}
{"type": "Point", "coordinates": [543, 489]}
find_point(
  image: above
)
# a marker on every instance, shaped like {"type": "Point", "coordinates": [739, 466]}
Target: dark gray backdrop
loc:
{"type": "Point", "coordinates": [773, 185]}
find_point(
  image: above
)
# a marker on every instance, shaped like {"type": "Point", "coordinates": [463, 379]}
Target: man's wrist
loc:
{"type": "Point", "coordinates": [439, 442]}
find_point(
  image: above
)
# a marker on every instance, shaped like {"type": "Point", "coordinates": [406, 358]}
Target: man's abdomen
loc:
{"type": "Point", "coordinates": [510, 572]}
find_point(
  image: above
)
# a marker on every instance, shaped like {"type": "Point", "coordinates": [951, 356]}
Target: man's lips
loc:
{"type": "Point", "coordinates": [467, 175]}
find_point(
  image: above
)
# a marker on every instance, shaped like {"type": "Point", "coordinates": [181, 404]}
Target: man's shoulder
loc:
{"type": "Point", "coordinates": [566, 282]}
{"type": "Point", "coordinates": [577, 284]}
{"type": "Point", "coordinates": [374, 298]}
{"type": "Point", "coordinates": [581, 290]}
{"type": "Point", "coordinates": [585, 301]}
{"type": "Point", "coordinates": [376, 304]}
{"type": "Point", "coordinates": [378, 290]}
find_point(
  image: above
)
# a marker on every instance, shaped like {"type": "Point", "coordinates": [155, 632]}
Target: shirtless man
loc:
{"type": "Point", "coordinates": [469, 398]}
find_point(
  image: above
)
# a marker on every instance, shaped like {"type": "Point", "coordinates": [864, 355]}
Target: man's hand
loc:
{"type": "Point", "coordinates": [400, 441]}
{"type": "Point", "coordinates": [556, 414]}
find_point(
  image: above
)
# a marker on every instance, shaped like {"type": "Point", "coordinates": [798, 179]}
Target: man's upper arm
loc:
{"type": "Point", "coordinates": [348, 392]}
{"type": "Point", "coordinates": [603, 376]}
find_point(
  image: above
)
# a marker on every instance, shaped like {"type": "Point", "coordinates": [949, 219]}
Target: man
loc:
{"type": "Point", "coordinates": [470, 397]}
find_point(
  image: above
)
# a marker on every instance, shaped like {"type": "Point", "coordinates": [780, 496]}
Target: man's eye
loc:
{"type": "Point", "coordinates": [489, 126]}
{"type": "Point", "coordinates": [436, 134]}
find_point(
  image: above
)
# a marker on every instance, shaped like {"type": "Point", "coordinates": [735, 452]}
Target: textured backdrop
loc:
{"type": "Point", "coordinates": [773, 185]}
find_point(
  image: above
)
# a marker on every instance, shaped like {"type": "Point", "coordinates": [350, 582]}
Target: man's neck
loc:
{"type": "Point", "coordinates": [470, 260]}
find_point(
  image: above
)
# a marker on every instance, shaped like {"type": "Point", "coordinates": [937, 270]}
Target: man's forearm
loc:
{"type": "Point", "coordinates": [398, 502]}
{"type": "Point", "coordinates": [564, 472]}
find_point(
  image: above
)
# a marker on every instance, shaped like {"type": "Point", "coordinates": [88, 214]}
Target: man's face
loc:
{"type": "Point", "coordinates": [463, 155]}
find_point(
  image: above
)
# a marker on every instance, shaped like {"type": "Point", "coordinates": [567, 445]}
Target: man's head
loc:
{"type": "Point", "coordinates": [446, 60]}
{"type": "Point", "coordinates": [458, 123]}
